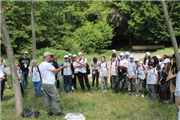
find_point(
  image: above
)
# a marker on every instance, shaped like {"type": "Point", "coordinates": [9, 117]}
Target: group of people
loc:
{"type": "Point", "coordinates": [156, 72]}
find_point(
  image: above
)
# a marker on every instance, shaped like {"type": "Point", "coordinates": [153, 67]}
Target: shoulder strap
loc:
{"type": "Point", "coordinates": [32, 69]}
{"type": "Point", "coordinates": [100, 65]}
{"type": "Point", "coordinates": [106, 64]}
{"type": "Point", "coordinates": [143, 66]}
{"type": "Point", "coordinates": [111, 62]}
{"type": "Point", "coordinates": [116, 63]}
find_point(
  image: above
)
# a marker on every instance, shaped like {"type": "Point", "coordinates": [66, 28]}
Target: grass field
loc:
{"type": "Point", "coordinates": [93, 106]}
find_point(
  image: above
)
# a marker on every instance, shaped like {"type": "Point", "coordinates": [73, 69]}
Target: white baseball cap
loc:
{"type": "Point", "coordinates": [167, 60]}
{"type": "Point", "coordinates": [113, 51]}
{"type": "Point", "coordinates": [66, 56]}
{"type": "Point", "coordinates": [158, 57]}
{"type": "Point", "coordinates": [136, 60]}
{"type": "Point", "coordinates": [70, 55]}
{"type": "Point", "coordinates": [26, 52]}
{"type": "Point", "coordinates": [121, 54]}
{"type": "Point", "coordinates": [127, 53]}
{"type": "Point", "coordinates": [34, 61]}
{"type": "Point", "coordinates": [80, 53]}
{"type": "Point", "coordinates": [131, 56]}
{"type": "Point", "coordinates": [74, 55]}
{"type": "Point", "coordinates": [148, 53]}
{"type": "Point", "coordinates": [47, 53]}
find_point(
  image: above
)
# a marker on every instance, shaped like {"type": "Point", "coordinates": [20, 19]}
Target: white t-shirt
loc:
{"type": "Point", "coordinates": [19, 72]}
{"type": "Point", "coordinates": [147, 60]}
{"type": "Point", "coordinates": [128, 59]}
{"type": "Point", "coordinates": [131, 68]}
{"type": "Point", "coordinates": [67, 71]}
{"type": "Point", "coordinates": [140, 70]}
{"type": "Point", "coordinates": [1, 74]}
{"type": "Point", "coordinates": [123, 62]}
{"type": "Point", "coordinates": [35, 74]}
{"type": "Point", "coordinates": [48, 77]}
{"type": "Point", "coordinates": [77, 69]}
{"type": "Point", "coordinates": [95, 66]}
{"type": "Point", "coordinates": [151, 76]}
{"type": "Point", "coordinates": [83, 69]}
{"type": "Point", "coordinates": [113, 65]}
{"type": "Point", "coordinates": [117, 58]}
{"type": "Point", "coordinates": [103, 68]}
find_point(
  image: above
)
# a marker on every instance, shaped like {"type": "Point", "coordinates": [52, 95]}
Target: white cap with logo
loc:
{"type": "Point", "coordinates": [127, 53]}
{"type": "Point", "coordinates": [148, 53]}
{"type": "Point", "coordinates": [167, 60]}
{"type": "Point", "coordinates": [121, 54]}
{"type": "Point", "coordinates": [136, 60]}
{"type": "Point", "coordinates": [113, 51]}
{"type": "Point", "coordinates": [66, 56]}
{"type": "Point", "coordinates": [80, 53]}
{"type": "Point", "coordinates": [74, 55]}
{"type": "Point", "coordinates": [158, 57]}
{"type": "Point", "coordinates": [70, 55]}
{"type": "Point", "coordinates": [34, 61]}
{"type": "Point", "coordinates": [131, 56]}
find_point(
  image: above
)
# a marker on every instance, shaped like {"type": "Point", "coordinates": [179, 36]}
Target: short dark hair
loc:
{"type": "Point", "coordinates": [103, 57]}
{"type": "Point", "coordinates": [113, 55]}
{"type": "Point", "coordinates": [150, 64]}
{"type": "Point", "coordinates": [94, 59]}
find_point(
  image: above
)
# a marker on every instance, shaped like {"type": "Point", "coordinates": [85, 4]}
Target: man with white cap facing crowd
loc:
{"type": "Point", "coordinates": [127, 54]}
{"type": "Point", "coordinates": [48, 82]}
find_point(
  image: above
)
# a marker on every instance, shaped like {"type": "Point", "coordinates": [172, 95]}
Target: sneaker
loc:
{"type": "Point", "coordinates": [97, 89]}
{"type": "Point", "coordinates": [84, 91]}
{"type": "Point", "coordinates": [122, 92]}
{"type": "Point", "coordinates": [105, 91]}
{"type": "Point", "coordinates": [142, 95]}
{"type": "Point", "coordinates": [137, 95]}
{"type": "Point", "coordinates": [72, 88]}
{"type": "Point", "coordinates": [65, 93]}
{"type": "Point", "coordinates": [50, 113]}
{"type": "Point", "coordinates": [59, 115]}
{"type": "Point", "coordinates": [134, 93]}
{"type": "Point", "coordinates": [36, 95]}
{"type": "Point", "coordinates": [92, 88]}
{"type": "Point", "coordinates": [153, 100]}
{"type": "Point", "coordinates": [71, 92]}
{"type": "Point", "coordinates": [149, 97]}
{"type": "Point", "coordinates": [91, 92]}
{"type": "Point", "coordinates": [8, 88]}
{"type": "Point", "coordinates": [130, 94]}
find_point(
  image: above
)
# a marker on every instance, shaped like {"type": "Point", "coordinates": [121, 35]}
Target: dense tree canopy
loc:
{"type": "Point", "coordinates": [89, 26]}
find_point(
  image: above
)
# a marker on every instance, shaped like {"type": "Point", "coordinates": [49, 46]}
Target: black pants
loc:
{"type": "Point", "coordinates": [166, 91]}
{"type": "Point", "coordinates": [81, 81]}
{"type": "Point", "coordinates": [173, 98]}
{"type": "Point", "coordinates": [74, 80]}
{"type": "Point", "coordinates": [95, 76]}
{"type": "Point", "coordinates": [2, 88]}
{"type": "Point", "coordinates": [57, 85]}
{"type": "Point", "coordinates": [122, 78]}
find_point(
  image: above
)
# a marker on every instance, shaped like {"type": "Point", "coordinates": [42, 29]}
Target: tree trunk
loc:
{"type": "Point", "coordinates": [33, 32]}
{"type": "Point", "coordinates": [171, 31]}
{"type": "Point", "coordinates": [130, 42]}
{"type": "Point", "coordinates": [15, 80]}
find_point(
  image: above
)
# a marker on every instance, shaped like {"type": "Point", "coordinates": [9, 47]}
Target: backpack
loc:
{"type": "Point", "coordinates": [38, 71]}
{"type": "Point", "coordinates": [100, 65]}
{"type": "Point", "coordinates": [88, 71]}
{"type": "Point", "coordinates": [141, 65]}
{"type": "Point", "coordinates": [115, 63]}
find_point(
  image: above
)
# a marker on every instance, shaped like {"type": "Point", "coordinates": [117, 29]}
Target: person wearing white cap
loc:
{"type": "Point", "coordinates": [70, 58]}
{"type": "Point", "coordinates": [76, 70]}
{"type": "Point", "coordinates": [165, 84]}
{"type": "Point", "coordinates": [48, 83]}
{"type": "Point", "coordinates": [24, 63]}
{"type": "Point", "coordinates": [36, 78]}
{"type": "Point", "coordinates": [117, 58]}
{"type": "Point", "coordinates": [127, 54]}
{"type": "Point", "coordinates": [147, 58]}
{"type": "Point", "coordinates": [140, 76]}
{"type": "Point", "coordinates": [131, 68]}
{"type": "Point", "coordinates": [82, 74]}
{"type": "Point", "coordinates": [122, 71]}
{"type": "Point", "coordinates": [67, 74]}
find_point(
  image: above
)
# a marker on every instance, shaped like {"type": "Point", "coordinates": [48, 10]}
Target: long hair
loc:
{"type": "Point", "coordinates": [156, 61]}
{"type": "Point", "coordinates": [144, 62]}
{"type": "Point", "coordinates": [104, 58]}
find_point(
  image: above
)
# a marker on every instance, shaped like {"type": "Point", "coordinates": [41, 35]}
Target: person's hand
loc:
{"type": "Point", "coordinates": [99, 76]}
{"type": "Point", "coordinates": [167, 79]}
{"type": "Point", "coordinates": [78, 62]}
{"type": "Point", "coordinates": [72, 76]}
{"type": "Point", "coordinates": [65, 66]}
{"type": "Point", "coordinates": [160, 70]}
{"type": "Point", "coordinates": [135, 82]}
{"type": "Point", "coordinates": [62, 77]}
{"type": "Point", "coordinates": [116, 75]}
{"type": "Point", "coordinates": [80, 66]}
{"type": "Point", "coordinates": [156, 83]}
{"type": "Point", "coordinates": [107, 76]}
{"type": "Point", "coordinates": [130, 77]}
{"type": "Point", "coordinates": [3, 78]}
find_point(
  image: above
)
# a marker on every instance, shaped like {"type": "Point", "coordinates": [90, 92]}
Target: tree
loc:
{"type": "Point", "coordinates": [33, 31]}
{"type": "Point", "coordinates": [171, 31]}
{"type": "Point", "coordinates": [9, 49]}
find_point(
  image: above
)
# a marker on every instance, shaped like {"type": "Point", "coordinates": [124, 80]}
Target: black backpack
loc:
{"type": "Point", "coordinates": [38, 71]}
{"type": "Point", "coordinates": [88, 71]}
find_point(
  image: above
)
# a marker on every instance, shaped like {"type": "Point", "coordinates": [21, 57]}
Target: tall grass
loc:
{"type": "Point", "coordinates": [97, 106]}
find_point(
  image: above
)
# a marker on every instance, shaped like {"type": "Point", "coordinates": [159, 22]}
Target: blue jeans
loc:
{"type": "Point", "coordinates": [25, 76]}
{"type": "Point", "coordinates": [67, 81]}
{"type": "Point", "coordinates": [37, 84]}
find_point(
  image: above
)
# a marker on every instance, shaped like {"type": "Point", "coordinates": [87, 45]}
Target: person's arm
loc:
{"type": "Point", "coordinates": [30, 71]}
{"type": "Point", "coordinates": [99, 72]}
{"type": "Point", "coordinates": [59, 69]}
{"type": "Point", "coordinates": [110, 72]}
{"type": "Point", "coordinates": [62, 73]}
{"type": "Point", "coordinates": [145, 72]}
{"type": "Point", "coordinates": [92, 69]}
{"type": "Point", "coordinates": [72, 69]}
{"type": "Point", "coordinates": [169, 76]}
{"type": "Point", "coordinates": [3, 78]}
{"type": "Point", "coordinates": [156, 79]}
{"type": "Point", "coordinates": [84, 63]}
{"type": "Point", "coordinates": [107, 73]}
{"type": "Point", "coordinates": [19, 61]}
